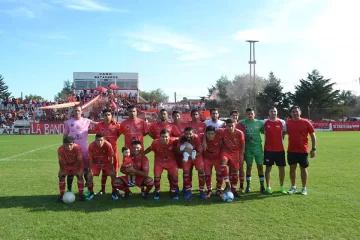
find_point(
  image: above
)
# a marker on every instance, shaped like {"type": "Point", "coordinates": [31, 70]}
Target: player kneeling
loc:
{"type": "Point", "coordinates": [71, 163]}
{"type": "Point", "coordinates": [101, 158]}
{"type": "Point", "coordinates": [136, 168]}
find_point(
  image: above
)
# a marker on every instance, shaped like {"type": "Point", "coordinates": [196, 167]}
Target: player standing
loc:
{"type": "Point", "coordinates": [71, 163]}
{"type": "Point", "coordinates": [77, 127]}
{"type": "Point", "coordinates": [231, 153]}
{"type": "Point", "coordinates": [214, 121]}
{"type": "Point", "coordinates": [133, 128]}
{"type": "Point", "coordinates": [274, 130]}
{"type": "Point", "coordinates": [234, 114]}
{"type": "Point", "coordinates": [111, 131]}
{"type": "Point", "coordinates": [198, 126]}
{"type": "Point", "coordinates": [139, 168]}
{"type": "Point", "coordinates": [101, 158]}
{"type": "Point", "coordinates": [198, 162]}
{"type": "Point", "coordinates": [211, 155]}
{"type": "Point", "coordinates": [253, 148]}
{"type": "Point", "coordinates": [176, 117]}
{"type": "Point", "coordinates": [163, 149]}
{"type": "Point", "coordinates": [157, 127]}
{"type": "Point", "coordinates": [298, 130]}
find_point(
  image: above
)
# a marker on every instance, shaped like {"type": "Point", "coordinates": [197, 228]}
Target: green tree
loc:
{"type": "Point", "coordinates": [33, 97]}
{"type": "Point", "coordinates": [234, 94]}
{"type": "Point", "coordinates": [67, 90]}
{"type": "Point", "coordinates": [272, 95]}
{"type": "Point", "coordinates": [318, 94]}
{"type": "Point", "coordinates": [158, 95]}
{"type": "Point", "coordinates": [185, 99]}
{"type": "Point", "coordinates": [4, 93]}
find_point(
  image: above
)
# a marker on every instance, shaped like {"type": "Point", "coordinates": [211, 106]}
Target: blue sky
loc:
{"type": "Point", "coordinates": [181, 46]}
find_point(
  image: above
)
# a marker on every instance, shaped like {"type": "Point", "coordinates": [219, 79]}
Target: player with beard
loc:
{"type": "Point", "coordinates": [163, 123]}
{"type": "Point", "coordinates": [214, 121]}
{"type": "Point", "coordinates": [196, 161]}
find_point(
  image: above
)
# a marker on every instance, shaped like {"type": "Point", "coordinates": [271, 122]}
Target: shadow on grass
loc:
{"type": "Point", "coordinates": [44, 203]}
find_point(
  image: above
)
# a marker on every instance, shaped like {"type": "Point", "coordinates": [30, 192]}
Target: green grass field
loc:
{"type": "Point", "coordinates": [29, 188]}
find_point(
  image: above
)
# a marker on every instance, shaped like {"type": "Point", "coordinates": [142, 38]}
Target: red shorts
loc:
{"type": "Point", "coordinates": [233, 160]}
{"type": "Point", "coordinates": [96, 169]}
{"type": "Point", "coordinates": [138, 179]}
{"type": "Point", "coordinates": [170, 167]}
{"type": "Point", "coordinates": [210, 163]}
{"type": "Point", "coordinates": [116, 161]}
{"type": "Point", "coordinates": [70, 170]}
{"type": "Point", "coordinates": [198, 163]}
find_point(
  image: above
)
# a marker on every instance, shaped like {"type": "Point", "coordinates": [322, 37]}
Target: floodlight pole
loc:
{"type": "Point", "coordinates": [252, 63]}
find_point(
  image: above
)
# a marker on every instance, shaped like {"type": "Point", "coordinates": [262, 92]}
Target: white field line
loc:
{"type": "Point", "coordinates": [31, 151]}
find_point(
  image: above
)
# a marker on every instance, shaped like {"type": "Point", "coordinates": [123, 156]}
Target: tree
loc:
{"type": "Point", "coordinates": [67, 90]}
{"type": "Point", "coordinates": [347, 101]}
{"type": "Point", "coordinates": [317, 94]}
{"type": "Point", "coordinates": [32, 97]}
{"type": "Point", "coordinates": [157, 95]}
{"type": "Point", "coordinates": [4, 93]}
{"type": "Point", "coordinates": [185, 100]}
{"type": "Point", "coordinates": [272, 95]}
{"type": "Point", "coordinates": [234, 94]}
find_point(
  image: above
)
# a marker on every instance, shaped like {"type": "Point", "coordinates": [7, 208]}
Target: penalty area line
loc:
{"type": "Point", "coordinates": [31, 151]}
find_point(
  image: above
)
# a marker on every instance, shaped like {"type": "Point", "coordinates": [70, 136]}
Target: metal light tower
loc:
{"type": "Point", "coordinates": [252, 62]}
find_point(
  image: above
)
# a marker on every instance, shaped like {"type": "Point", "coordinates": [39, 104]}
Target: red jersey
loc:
{"type": "Point", "coordinates": [140, 162]}
{"type": "Point", "coordinates": [180, 126]}
{"type": "Point", "coordinates": [195, 142]}
{"type": "Point", "coordinates": [100, 155]}
{"type": "Point", "coordinates": [164, 153]}
{"type": "Point", "coordinates": [156, 127]}
{"type": "Point", "coordinates": [273, 131]}
{"type": "Point", "coordinates": [298, 131]}
{"type": "Point", "coordinates": [127, 160]}
{"type": "Point", "coordinates": [110, 131]}
{"type": "Point", "coordinates": [199, 127]}
{"type": "Point", "coordinates": [213, 147]}
{"type": "Point", "coordinates": [133, 129]}
{"type": "Point", "coordinates": [232, 142]}
{"type": "Point", "coordinates": [240, 127]}
{"type": "Point", "coordinates": [70, 158]}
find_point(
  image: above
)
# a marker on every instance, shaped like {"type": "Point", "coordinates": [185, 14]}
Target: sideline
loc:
{"type": "Point", "coordinates": [31, 151]}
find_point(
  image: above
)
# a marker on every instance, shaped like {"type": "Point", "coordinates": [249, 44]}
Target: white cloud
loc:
{"type": "Point", "coordinates": [19, 12]}
{"type": "Point", "coordinates": [185, 47]}
{"type": "Point", "coordinates": [143, 47]}
{"type": "Point", "coordinates": [88, 5]}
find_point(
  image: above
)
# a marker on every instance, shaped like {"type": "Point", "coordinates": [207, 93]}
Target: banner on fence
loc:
{"type": "Point", "coordinates": [14, 131]}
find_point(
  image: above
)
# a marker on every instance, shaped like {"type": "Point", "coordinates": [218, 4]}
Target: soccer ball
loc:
{"type": "Point", "coordinates": [228, 196]}
{"type": "Point", "coordinates": [68, 197]}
